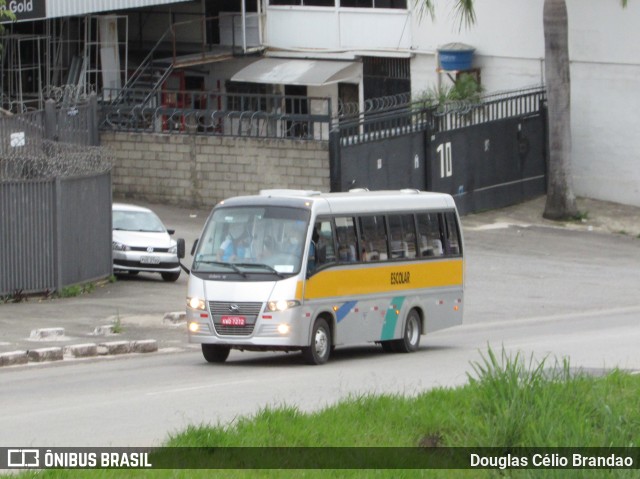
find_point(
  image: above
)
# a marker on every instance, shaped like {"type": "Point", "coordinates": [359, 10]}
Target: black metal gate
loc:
{"type": "Point", "coordinates": [486, 156]}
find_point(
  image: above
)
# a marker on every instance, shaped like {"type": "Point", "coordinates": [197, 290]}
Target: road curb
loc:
{"type": "Point", "coordinates": [75, 351]}
{"type": "Point", "coordinates": [45, 354]}
{"type": "Point", "coordinates": [14, 357]}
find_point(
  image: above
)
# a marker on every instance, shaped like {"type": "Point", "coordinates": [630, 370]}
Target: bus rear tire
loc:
{"type": "Point", "coordinates": [319, 350]}
{"type": "Point", "coordinates": [410, 341]}
{"type": "Point", "coordinates": [215, 353]}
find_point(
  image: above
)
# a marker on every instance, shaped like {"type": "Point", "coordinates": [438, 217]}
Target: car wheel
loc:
{"type": "Point", "coordinates": [319, 350]}
{"type": "Point", "coordinates": [410, 341]}
{"type": "Point", "coordinates": [215, 353]}
{"type": "Point", "coordinates": [171, 276]}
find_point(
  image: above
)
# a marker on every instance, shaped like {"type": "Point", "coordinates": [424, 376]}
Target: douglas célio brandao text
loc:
{"type": "Point", "coordinates": [543, 461]}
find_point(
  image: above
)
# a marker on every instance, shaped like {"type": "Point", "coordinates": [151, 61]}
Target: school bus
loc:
{"type": "Point", "coordinates": [297, 270]}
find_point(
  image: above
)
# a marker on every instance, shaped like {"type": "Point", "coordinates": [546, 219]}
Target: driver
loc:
{"type": "Point", "coordinates": [235, 244]}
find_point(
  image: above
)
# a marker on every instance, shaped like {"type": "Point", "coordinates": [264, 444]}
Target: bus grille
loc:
{"type": "Point", "coordinates": [250, 312]}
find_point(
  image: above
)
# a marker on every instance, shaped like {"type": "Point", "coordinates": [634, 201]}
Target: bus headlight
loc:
{"type": "Point", "coordinates": [196, 303]}
{"type": "Point", "coordinates": [282, 305]}
{"type": "Point", "coordinates": [284, 329]}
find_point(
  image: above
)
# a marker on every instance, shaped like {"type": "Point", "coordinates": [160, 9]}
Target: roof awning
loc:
{"type": "Point", "coordinates": [299, 72]}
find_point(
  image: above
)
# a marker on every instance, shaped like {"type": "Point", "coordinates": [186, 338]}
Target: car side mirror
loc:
{"type": "Point", "coordinates": [193, 248]}
{"type": "Point", "coordinates": [171, 231]}
{"type": "Point", "coordinates": [181, 248]}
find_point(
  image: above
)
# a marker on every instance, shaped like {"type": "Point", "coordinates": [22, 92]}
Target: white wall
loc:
{"type": "Point", "coordinates": [336, 30]}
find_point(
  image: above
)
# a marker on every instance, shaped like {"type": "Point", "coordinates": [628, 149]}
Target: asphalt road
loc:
{"type": "Point", "coordinates": [544, 291]}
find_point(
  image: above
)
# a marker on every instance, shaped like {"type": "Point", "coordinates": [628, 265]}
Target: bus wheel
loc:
{"type": "Point", "coordinates": [411, 338]}
{"type": "Point", "coordinates": [320, 349]}
{"type": "Point", "coordinates": [215, 353]}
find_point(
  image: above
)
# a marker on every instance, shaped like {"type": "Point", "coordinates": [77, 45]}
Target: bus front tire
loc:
{"type": "Point", "coordinates": [215, 353]}
{"type": "Point", "coordinates": [410, 341]}
{"type": "Point", "coordinates": [320, 349]}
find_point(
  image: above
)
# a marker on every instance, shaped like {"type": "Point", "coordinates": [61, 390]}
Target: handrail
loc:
{"type": "Point", "coordinates": [143, 65]}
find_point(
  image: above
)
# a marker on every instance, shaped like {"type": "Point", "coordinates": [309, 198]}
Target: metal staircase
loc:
{"type": "Point", "coordinates": [143, 85]}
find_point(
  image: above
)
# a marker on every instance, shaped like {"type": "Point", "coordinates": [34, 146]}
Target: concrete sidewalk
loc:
{"type": "Point", "coordinates": [143, 314]}
{"type": "Point", "coordinates": [599, 216]}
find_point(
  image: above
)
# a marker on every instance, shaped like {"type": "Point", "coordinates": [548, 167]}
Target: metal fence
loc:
{"type": "Point", "coordinates": [498, 106]}
{"type": "Point", "coordinates": [216, 114]}
{"type": "Point", "coordinates": [55, 217]}
{"type": "Point", "coordinates": [26, 133]}
{"type": "Point", "coordinates": [406, 118]}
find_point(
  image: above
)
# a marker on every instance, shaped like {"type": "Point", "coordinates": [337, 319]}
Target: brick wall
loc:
{"type": "Point", "coordinates": [194, 170]}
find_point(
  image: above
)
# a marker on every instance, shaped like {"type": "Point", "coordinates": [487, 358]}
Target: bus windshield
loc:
{"type": "Point", "coordinates": [253, 240]}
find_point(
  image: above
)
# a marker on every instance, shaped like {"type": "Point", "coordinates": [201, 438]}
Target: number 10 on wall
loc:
{"type": "Point", "coordinates": [446, 166]}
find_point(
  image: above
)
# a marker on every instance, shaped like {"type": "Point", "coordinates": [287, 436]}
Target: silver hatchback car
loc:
{"type": "Point", "coordinates": [141, 243]}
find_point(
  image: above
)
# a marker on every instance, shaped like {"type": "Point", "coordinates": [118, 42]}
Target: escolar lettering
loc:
{"type": "Point", "coordinates": [400, 277]}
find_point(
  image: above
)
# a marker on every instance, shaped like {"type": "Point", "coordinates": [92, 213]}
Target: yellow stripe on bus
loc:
{"type": "Point", "coordinates": [385, 278]}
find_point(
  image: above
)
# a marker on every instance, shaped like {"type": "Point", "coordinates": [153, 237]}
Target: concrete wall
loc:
{"type": "Point", "coordinates": [202, 170]}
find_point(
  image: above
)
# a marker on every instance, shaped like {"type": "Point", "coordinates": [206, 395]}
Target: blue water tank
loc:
{"type": "Point", "coordinates": [456, 56]}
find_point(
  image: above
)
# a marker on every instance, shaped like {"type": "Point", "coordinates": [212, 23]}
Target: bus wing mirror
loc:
{"type": "Point", "coordinates": [181, 248]}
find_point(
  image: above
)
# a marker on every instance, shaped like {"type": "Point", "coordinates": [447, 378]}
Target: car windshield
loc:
{"type": "Point", "coordinates": [137, 221]}
{"type": "Point", "coordinates": [253, 240]}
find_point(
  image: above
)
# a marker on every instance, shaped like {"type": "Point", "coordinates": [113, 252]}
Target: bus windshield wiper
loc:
{"type": "Point", "coordinates": [228, 265]}
{"type": "Point", "coordinates": [262, 265]}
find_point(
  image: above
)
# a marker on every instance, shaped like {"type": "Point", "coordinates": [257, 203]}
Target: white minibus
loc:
{"type": "Point", "coordinates": [295, 270]}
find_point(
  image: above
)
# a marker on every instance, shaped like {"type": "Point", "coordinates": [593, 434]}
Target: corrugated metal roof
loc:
{"type": "Point", "coordinates": [67, 8]}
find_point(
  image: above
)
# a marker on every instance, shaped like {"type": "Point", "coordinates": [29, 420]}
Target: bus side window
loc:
{"type": "Point", "coordinates": [451, 232]}
{"type": "Point", "coordinates": [346, 235]}
{"type": "Point", "coordinates": [323, 239]}
{"type": "Point", "coordinates": [373, 238]}
{"type": "Point", "coordinates": [429, 234]}
{"type": "Point", "coordinates": [402, 236]}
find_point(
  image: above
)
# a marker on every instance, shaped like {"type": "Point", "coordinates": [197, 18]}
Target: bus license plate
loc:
{"type": "Point", "coordinates": [233, 320]}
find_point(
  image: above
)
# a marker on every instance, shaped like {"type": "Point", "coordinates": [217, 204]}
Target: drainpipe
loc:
{"type": "Point", "coordinates": [244, 27]}
{"type": "Point", "coordinates": [260, 40]}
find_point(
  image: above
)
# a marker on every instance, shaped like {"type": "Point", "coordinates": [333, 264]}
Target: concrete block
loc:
{"type": "Point", "coordinates": [145, 346]}
{"type": "Point", "coordinates": [115, 347]}
{"type": "Point", "coordinates": [179, 317]}
{"type": "Point", "coordinates": [45, 354]}
{"type": "Point", "coordinates": [47, 333]}
{"type": "Point", "coordinates": [82, 350]}
{"type": "Point", "coordinates": [103, 330]}
{"type": "Point", "coordinates": [13, 357]}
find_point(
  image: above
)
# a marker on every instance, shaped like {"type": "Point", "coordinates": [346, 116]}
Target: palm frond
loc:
{"type": "Point", "coordinates": [425, 7]}
{"type": "Point", "coordinates": [465, 13]}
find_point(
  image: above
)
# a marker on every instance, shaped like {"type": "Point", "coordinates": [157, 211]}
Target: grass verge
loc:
{"type": "Point", "coordinates": [509, 402]}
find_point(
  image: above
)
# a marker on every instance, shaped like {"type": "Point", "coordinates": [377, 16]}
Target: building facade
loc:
{"type": "Point", "coordinates": [351, 51]}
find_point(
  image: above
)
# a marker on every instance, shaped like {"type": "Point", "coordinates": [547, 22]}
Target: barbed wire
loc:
{"type": "Point", "coordinates": [210, 122]}
{"type": "Point", "coordinates": [66, 95]}
{"type": "Point", "coordinates": [55, 160]}
{"type": "Point", "coordinates": [70, 93]}
{"type": "Point", "coordinates": [372, 105]}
